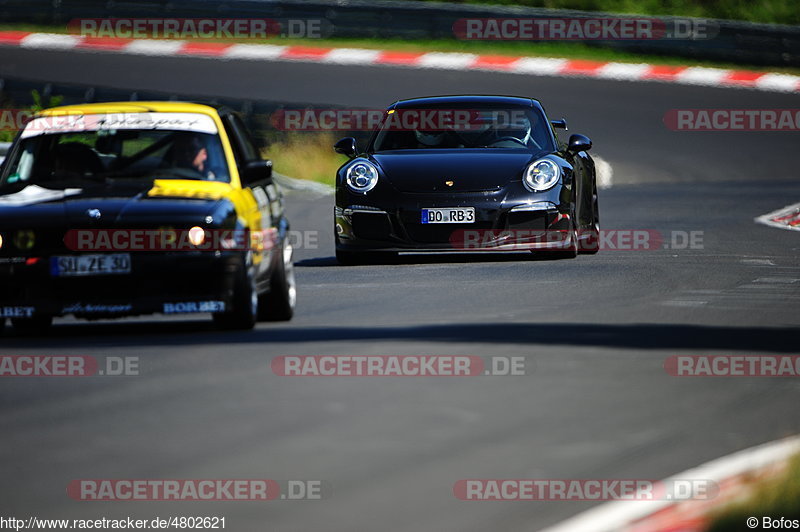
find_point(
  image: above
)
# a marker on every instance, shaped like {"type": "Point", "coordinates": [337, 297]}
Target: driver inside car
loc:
{"type": "Point", "coordinates": [516, 131]}
{"type": "Point", "coordinates": [190, 152]}
{"type": "Point", "coordinates": [436, 139]}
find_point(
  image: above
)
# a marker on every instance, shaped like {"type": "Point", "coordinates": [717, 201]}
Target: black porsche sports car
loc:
{"type": "Point", "coordinates": [119, 209]}
{"type": "Point", "coordinates": [465, 174]}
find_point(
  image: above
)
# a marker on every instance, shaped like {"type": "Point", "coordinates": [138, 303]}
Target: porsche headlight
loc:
{"type": "Point", "coordinates": [362, 176]}
{"type": "Point", "coordinates": [541, 175]}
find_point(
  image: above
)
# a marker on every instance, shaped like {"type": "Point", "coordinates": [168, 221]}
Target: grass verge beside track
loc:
{"type": "Point", "coordinates": [775, 499]}
{"type": "Point", "coordinates": [306, 156]}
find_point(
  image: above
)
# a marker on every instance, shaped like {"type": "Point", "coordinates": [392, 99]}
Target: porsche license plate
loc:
{"type": "Point", "coordinates": [454, 215]}
{"type": "Point", "coordinates": [82, 265]}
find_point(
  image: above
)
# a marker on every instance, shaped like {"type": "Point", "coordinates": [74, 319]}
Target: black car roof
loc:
{"type": "Point", "coordinates": [511, 101]}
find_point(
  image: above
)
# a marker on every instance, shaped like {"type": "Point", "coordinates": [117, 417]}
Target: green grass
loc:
{"type": "Point", "coordinates": [767, 11]}
{"type": "Point", "coordinates": [777, 498]}
{"type": "Point", "coordinates": [306, 156]}
{"type": "Point", "coordinates": [508, 48]}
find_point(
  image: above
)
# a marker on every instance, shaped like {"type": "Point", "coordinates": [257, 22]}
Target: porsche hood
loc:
{"type": "Point", "coordinates": [424, 171]}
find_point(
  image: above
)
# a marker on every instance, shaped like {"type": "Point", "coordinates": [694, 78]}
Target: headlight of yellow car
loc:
{"type": "Point", "coordinates": [197, 235]}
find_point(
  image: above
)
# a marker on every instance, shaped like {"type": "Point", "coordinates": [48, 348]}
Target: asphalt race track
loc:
{"type": "Point", "coordinates": [595, 332]}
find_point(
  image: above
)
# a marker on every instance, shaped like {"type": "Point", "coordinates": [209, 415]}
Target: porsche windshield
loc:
{"type": "Point", "coordinates": [117, 154]}
{"type": "Point", "coordinates": [516, 128]}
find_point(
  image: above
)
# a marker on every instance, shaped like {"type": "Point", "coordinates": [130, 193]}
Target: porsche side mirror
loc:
{"type": "Point", "coordinates": [346, 146]}
{"type": "Point", "coordinates": [559, 124]}
{"type": "Point", "coordinates": [579, 143]}
{"type": "Point", "coordinates": [257, 173]}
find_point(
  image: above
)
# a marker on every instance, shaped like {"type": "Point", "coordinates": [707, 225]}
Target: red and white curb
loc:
{"type": "Point", "coordinates": [731, 473]}
{"type": "Point", "coordinates": [535, 66]}
{"type": "Point", "coordinates": [785, 218]}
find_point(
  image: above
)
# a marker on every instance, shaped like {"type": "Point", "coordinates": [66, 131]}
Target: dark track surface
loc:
{"type": "Point", "coordinates": [595, 331]}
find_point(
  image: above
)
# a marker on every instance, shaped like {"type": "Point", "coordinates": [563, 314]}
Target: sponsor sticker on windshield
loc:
{"type": "Point", "coordinates": [78, 123]}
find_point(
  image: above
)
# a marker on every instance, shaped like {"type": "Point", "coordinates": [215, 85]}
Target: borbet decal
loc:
{"type": "Point", "coordinates": [189, 307]}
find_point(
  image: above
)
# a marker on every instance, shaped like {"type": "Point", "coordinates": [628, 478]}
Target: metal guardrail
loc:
{"type": "Point", "coordinates": [737, 42]}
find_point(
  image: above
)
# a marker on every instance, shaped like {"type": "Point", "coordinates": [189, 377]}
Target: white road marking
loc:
{"type": "Point", "coordinates": [50, 41]}
{"type": "Point", "coordinates": [626, 71]}
{"type": "Point", "coordinates": [685, 303]}
{"type": "Point", "coordinates": [702, 76]}
{"type": "Point", "coordinates": [778, 82]}
{"type": "Point", "coordinates": [351, 56]}
{"type": "Point", "coordinates": [254, 51]}
{"type": "Point", "coordinates": [542, 66]}
{"type": "Point", "coordinates": [446, 60]}
{"type": "Point", "coordinates": [777, 280]}
{"type": "Point", "coordinates": [154, 47]}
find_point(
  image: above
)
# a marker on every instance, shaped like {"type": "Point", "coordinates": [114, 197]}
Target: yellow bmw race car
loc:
{"type": "Point", "coordinates": [119, 209]}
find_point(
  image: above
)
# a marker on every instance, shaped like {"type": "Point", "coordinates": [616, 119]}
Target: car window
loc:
{"type": "Point", "coordinates": [249, 148]}
{"type": "Point", "coordinates": [447, 128]}
{"type": "Point", "coordinates": [243, 145]}
{"type": "Point", "coordinates": [128, 154]}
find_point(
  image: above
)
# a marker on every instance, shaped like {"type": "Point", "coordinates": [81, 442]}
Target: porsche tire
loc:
{"type": "Point", "coordinates": [590, 244]}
